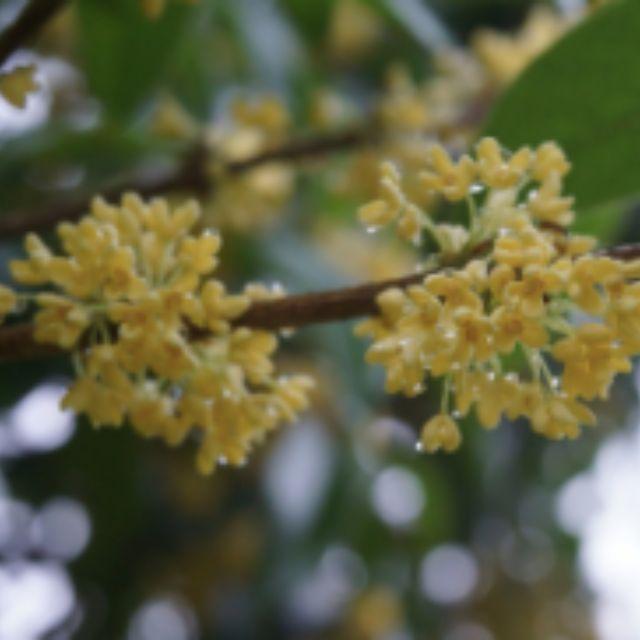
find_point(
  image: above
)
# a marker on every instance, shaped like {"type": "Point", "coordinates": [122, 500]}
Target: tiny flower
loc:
{"type": "Point", "coordinates": [17, 84]}
{"type": "Point", "coordinates": [549, 160]}
{"type": "Point", "coordinates": [8, 301]}
{"type": "Point", "coordinates": [453, 180]}
{"type": "Point", "coordinates": [548, 205]}
{"type": "Point", "coordinates": [511, 325]}
{"type": "Point", "coordinates": [528, 293]}
{"type": "Point", "coordinates": [440, 432]}
{"type": "Point", "coordinates": [497, 170]}
{"type": "Point", "coordinates": [591, 359]}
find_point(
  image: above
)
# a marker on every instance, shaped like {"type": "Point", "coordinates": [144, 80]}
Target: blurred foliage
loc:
{"type": "Point", "coordinates": [244, 553]}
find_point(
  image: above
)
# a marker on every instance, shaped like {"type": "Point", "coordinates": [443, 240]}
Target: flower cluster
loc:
{"type": "Point", "coordinates": [244, 200]}
{"type": "Point", "coordinates": [152, 332]}
{"type": "Point", "coordinates": [492, 320]}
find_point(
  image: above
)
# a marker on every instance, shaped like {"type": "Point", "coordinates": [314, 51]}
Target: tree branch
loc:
{"type": "Point", "coordinates": [32, 18]}
{"type": "Point", "coordinates": [17, 342]}
{"type": "Point", "coordinates": [190, 175]}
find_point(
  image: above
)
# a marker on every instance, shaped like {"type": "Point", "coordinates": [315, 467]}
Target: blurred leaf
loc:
{"type": "Point", "coordinates": [125, 54]}
{"type": "Point", "coordinates": [421, 22]}
{"type": "Point", "coordinates": [585, 94]}
{"type": "Point", "coordinates": [310, 18]}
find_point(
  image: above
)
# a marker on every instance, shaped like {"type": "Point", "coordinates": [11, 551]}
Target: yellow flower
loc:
{"type": "Point", "coordinates": [494, 395]}
{"type": "Point", "coordinates": [102, 405]}
{"type": "Point", "coordinates": [403, 107]}
{"type": "Point", "coordinates": [591, 359]}
{"type": "Point", "coordinates": [219, 307]}
{"type": "Point", "coordinates": [453, 180]}
{"type": "Point", "coordinates": [103, 391]}
{"type": "Point", "coordinates": [440, 432]}
{"type": "Point", "coordinates": [532, 274]}
{"type": "Point", "coordinates": [60, 321]}
{"type": "Point", "coordinates": [498, 171]}
{"type": "Point", "coordinates": [171, 120]}
{"type": "Point", "coordinates": [386, 209]}
{"type": "Point", "coordinates": [528, 293]}
{"type": "Point", "coordinates": [198, 254]}
{"type": "Point", "coordinates": [8, 301]}
{"type": "Point", "coordinates": [547, 205]}
{"type": "Point", "coordinates": [151, 413]}
{"type": "Point", "coordinates": [473, 338]}
{"type": "Point", "coordinates": [454, 290]}
{"type": "Point", "coordinates": [554, 415]}
{"type": "Point", "coordinates": [522, 247]}
{"type": "Point", "coordinates": [586, 277]}
{"type": "Point", "coordinates": [132, 292]}
{"type": "Point", "coordinates": [499, 277]}
{"type": "Point", "coordinates": [504, 56]}
{"type": "Point", "coordinates": [512, 325]}
{"type": "Point", "coordinates": [549, 160]}
{"type": "Point", "coordinates": [623, 314]}
{"type": "Point", "coordinates": [17, 84]}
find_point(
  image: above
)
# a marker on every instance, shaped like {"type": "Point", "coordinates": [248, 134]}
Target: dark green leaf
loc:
{"type": "Point", "coordinates": [585, 94]}
{"type": "Point", "coordinates": [125, 54]}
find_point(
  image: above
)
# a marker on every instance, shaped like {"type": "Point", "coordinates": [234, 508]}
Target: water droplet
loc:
{"type": "Point", "coordinates": [554, 383]}
{"type": "Point", "coordinates": [287, 332]}
{"type": "Point", "coordinates": [418, 447]}
{"type": "Point", "coordinates": [372, 229]}
{"type": "Point", "coordinates": [456, 415]}
{"type": "Point", "coordinates": [502, 232]}
{"type": "Point", "coordinates": [222, 461]}
{"type": "Point", "coordinates": [272, 412]}
{"type": "Point", "coordinates": [491, 376]}
{"type": "Point", "coordinates": [476, 187]}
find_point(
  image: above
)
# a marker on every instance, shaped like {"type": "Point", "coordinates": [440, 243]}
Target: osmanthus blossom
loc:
{"type": "Point", "coordinates": [465, 323]}
{"type": "Point", "coordinates": [150, 330]}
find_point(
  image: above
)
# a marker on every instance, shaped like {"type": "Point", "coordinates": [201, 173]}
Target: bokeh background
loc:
{"type": "Point", "coordinates": [336, 528]}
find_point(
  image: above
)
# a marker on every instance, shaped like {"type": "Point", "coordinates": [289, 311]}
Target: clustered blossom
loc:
{"type": "Point", "coordinates": [133, 298]}
{"type": "Point", "coordinates": [493, 322]}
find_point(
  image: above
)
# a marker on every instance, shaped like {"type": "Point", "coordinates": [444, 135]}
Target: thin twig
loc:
{"type": "Point", "coordinates": [190, 175]}
{"type": "Point", "coordinates": [32, 18]}
{"type": "Point", "coordinates": [17, 343]}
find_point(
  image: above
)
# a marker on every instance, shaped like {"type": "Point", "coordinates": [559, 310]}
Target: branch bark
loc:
{"type": "Point", "coordinates": [293, 311]}
{"type": "Point", "coordinates": [32, 18]}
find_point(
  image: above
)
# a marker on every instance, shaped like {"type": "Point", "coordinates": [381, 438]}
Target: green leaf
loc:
{"type": "Point", "coordinates": [585, 94]}
{"type": "Point", "coordinates": [126, 54]}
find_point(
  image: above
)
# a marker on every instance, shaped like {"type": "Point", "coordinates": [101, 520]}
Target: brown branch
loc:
{"type": "Point", "coordinates": [190, 175]}
{"type": "Point", "coordinates": [17, 342]}
{"type": "Point", "coordinates": [32, 18]}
